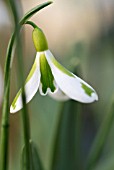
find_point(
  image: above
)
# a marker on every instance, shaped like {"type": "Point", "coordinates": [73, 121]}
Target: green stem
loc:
{"type": "Point", "coordinates": [31, 23]}
{"type": "Point", "coordinates": [25, 116]}
{"type": "Point", "coordinates": [5, 111]}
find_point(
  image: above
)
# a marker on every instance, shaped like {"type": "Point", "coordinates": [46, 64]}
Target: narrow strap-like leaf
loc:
{"type": "Point", "coordinates": [67, 140]}
{"type": "Point", "coordinates": [35, 158]}
{"type": "Point", "coordinates": [100, 139]}
{"type": "Point", "coordinates": [37, 164]}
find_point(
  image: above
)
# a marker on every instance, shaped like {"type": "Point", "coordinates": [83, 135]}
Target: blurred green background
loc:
{"type": "Point", "coordinates": [81, 36]}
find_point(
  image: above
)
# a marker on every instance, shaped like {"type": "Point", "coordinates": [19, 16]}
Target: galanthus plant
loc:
{"type": "Point", "coordinates": [50, 77]}
{"type": "Point", "coordinates": [5, 120]}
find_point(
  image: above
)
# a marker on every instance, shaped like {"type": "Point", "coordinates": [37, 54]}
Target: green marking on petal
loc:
{"type": "Point", "coordinates": [15, 100]}
{"type": "Point", "coordinates": [31, 72]}
{"type": "Point", "coordinates": [87, 90]}
{"type": "Point", "coordinates": [46, 75]}
{"type": "Point", "coordinates": [60, 67]}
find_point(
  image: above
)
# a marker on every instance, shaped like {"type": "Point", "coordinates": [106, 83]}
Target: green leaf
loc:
{"type": "Point", "coordinates": [106, 164]}
{"type": "Point", "coordinates": [100, 139]}
{"type": "Point", "coordinates": [36, 163]}
{"type": "Point", "coordinates": [66, 147]}
{"type": "Point", "coordinates": [23, 159]}
{"type": "Point", "coordinates": [33, 11]}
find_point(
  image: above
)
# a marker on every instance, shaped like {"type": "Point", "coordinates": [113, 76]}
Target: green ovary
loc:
{"type": "Point", "coordinates": [39, 40]}
{"type": "Point", "coordinates": [47, 78]}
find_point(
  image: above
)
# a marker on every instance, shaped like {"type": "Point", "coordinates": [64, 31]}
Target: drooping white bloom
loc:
{"type": "Point", "coordinates": [50, 77]}
{"type": "Point", "coordinates": [1, 86]}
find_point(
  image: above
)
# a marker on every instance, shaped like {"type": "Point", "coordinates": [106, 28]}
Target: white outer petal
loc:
{"type": "Point", "coordinates": [31, 87]}
{"type": "Point", "coordinates": [1, 86]}
{"type": "Point", "coordinates": [71, 86]}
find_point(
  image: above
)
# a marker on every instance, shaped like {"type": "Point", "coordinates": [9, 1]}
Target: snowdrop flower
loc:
{"type": "Point", "coordinates": [51, 78]}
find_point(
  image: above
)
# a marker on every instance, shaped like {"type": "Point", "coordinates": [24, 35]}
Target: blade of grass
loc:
{"type": "Point", "coordinates": [106, 164]}
{"type": "Point", "coordinates": [66, 147]}
{"type": "Point", "coordinates": [36, 161]}
{"type": "Point", "coordinates": [100, 139]}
